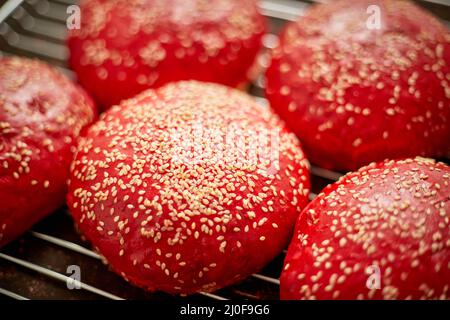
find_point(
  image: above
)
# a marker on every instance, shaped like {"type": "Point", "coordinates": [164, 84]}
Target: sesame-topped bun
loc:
{"type": "Point", "coordinates": [379, 233]}
{"type": "Point", "coordinates": [192, 186]}
{"type": "Point", "coordinates": [126, 46]}
{"type": "Point", "coordinates": [354, 93]}
{"type": "Point", "coordinates": [41, 114]}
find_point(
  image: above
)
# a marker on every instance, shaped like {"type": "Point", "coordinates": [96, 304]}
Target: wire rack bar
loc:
{"type": "Point", "coordinates": [12, 295]}
{"type": "Point", "coordinates": [266, 278]}
{"type": "Point", "coordinates": [213, 296]}
{"type": "Point", "coordinates": [284, 10]}
{"type": "Point", "coordinates": [38, 28]}
{"type": "Point", "coordinates": [66, 244]}
{"type": "Point", "coordinates": [57, 276]}
{"type": "Point", "coordinates": [9, 8]}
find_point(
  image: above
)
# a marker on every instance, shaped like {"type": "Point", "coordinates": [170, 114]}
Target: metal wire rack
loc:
{"type": "Point", "coordinates": [34, 266]}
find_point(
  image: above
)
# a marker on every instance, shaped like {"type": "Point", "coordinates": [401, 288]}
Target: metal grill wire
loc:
{"type": "Point", "coordinates": [36, 28]}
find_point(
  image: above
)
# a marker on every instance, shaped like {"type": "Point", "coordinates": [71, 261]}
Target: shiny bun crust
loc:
{"type": "Point", "coordinates": [41, 114]}
{"type": "Point", "coordinates": [169, 221]}
{"type": "Point", "coordinates": [354, 95]}
{"type": "Point", "coordinates": [389, 219]}
{"type": "Point", "coordinates": [124, 47]}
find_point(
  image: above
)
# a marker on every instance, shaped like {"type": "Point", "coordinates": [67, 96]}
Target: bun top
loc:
{"type": "Point", "coordinates": [148, 43]}
{"type": "Point", "coordinates": [364, 90]}
{"type": "Point", "coordinates": [41, 114]}
{"type": "Point", "coordinates": [393, 216]}
{"type": "Point", "coordinates": [193, 170]}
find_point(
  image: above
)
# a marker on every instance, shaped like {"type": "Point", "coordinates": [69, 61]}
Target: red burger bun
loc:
{"type": "Point", "coordinates": [379, 233]}
{"type": "Point", "coordinates": [123, 47]}
{"type": "Point", "coordinates": [41, 114]}
{"type": "Point", "coordinates": [355, 95]}
{"type": "Point", "coordinates": [167, 188]}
